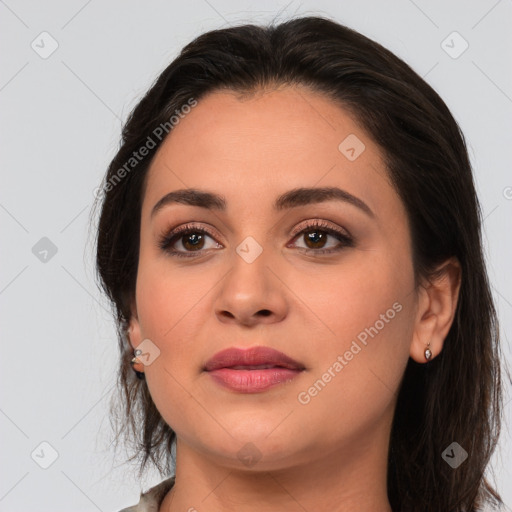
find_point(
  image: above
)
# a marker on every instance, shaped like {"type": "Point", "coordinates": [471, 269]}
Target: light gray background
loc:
{"type": "Point", "coordinates": [61, 119]}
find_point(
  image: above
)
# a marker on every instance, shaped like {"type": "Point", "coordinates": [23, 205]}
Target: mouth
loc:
{"type": "Point", "coordinates": [252, 370]}
{"type": "Point", "coordinates": [254, 358]}
{"type": "Point", "coordinates": [255, 367]}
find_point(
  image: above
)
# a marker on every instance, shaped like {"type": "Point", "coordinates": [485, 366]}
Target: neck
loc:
{"type": "Point", "coordinates": [350, 479]}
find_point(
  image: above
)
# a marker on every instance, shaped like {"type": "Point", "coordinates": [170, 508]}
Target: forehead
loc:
{"type": "Point", "coordinates": [260, 146]}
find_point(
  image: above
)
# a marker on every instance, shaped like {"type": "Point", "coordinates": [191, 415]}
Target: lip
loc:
{"type": "Point", "coordinates": [252, 370]}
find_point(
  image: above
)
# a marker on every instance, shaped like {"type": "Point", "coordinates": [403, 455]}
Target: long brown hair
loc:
{"type": "Point", "coordinates": [455, 397]}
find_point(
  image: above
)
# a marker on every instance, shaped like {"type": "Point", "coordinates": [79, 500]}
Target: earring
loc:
{"type": "Point", "coordinates": [428, 352]}
{"type": "Point", "coordinates": [137, 367]}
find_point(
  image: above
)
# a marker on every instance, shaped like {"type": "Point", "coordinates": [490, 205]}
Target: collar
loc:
{"type": "Point", "coordinates": [151, 500]}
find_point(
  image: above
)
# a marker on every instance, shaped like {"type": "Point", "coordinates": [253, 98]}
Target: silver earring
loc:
{"type": "Point", "coordinates": [428, 352]}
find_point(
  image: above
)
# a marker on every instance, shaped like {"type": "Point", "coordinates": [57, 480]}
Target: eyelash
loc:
{"type": "Point", "coordinates": [167, 240]}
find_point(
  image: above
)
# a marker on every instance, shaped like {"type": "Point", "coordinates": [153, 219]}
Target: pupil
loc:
{"type": "Point", "coordinates": [316, 237]}
{"type": "Point", "coordinates": [196, 239]}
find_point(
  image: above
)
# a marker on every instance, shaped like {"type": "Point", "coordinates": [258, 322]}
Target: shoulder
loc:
{"type": "Point", "coordinates": [151, 499]}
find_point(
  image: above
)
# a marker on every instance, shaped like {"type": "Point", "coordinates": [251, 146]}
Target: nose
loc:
{"type": "Point", "coordinates": [251, 293]}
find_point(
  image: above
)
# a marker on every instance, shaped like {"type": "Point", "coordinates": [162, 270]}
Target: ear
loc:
{"type": "Point", "coordinates": [134, 331]}
{"type": "Point", "coordinates": [437, 302]}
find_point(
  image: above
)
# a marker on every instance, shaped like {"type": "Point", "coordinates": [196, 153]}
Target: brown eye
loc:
{"type": "Point", "coordinates": [186, 240]}
{"type": "Point", "coordinates": [316, 236]}
{"type": "Point", "coordinates": [192, 241]}
{"type": "Point", "coordinates": [316, 240]}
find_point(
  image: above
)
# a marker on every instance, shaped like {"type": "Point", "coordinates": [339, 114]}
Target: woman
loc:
{"type": "Point", "coordinates": [303, 309]}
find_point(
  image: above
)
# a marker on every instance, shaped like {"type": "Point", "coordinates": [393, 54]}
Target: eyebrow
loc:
{"type": "Point", "coordinates": [291, 199]}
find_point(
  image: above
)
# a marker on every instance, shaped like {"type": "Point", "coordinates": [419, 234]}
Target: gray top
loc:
{"type": "Point", "coordinates": [151, 500]}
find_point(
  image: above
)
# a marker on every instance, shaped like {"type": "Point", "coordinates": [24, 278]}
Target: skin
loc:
{"type": "Point", "coordinates": [331, 453]}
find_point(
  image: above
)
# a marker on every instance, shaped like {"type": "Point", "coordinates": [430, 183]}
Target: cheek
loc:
{"type": "Point", "coordinates": [368, 309]}
{"type": "Point", "coordinates": [165, 295]}
{"type": "Point", "coordinates": [173, 305]}
{"type": "Point", "coordinates": [170, 313]}
{"type": "Point", "coordinates": [367, 288]}
{"type": "Point", "coordinates": [356, 377]}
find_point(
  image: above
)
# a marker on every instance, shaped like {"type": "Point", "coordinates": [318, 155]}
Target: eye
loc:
{"type": "Point", "coordinates": [193, 239]}
{"type": "Point", "coordinates": [316, 234]}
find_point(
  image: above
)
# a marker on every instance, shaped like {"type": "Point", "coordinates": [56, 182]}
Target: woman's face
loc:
{"type": "Point", "coordinates": [343, 306]}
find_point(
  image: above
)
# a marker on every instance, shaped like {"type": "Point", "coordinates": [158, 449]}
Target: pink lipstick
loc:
{"type": "Point", "coordinates": [252, 370]}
